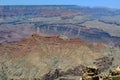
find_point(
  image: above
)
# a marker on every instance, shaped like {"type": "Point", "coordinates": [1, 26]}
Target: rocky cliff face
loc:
{"type": "Point", "coordinates": [17, 32]}
{"type": "Point", "coordinates": [40, 56]}
{"type": "Point", "coordinates": [84, 33]}
{"type": "Point", "coordinates": [57, 42]}
{"type": "Point", "coordinates": [89, 24]}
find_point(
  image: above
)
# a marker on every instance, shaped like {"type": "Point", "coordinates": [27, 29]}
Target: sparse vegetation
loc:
{"type": "Point", "coordinates": [116, 78]}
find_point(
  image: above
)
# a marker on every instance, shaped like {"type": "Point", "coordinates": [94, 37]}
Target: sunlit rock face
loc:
{"type": "Point", "coordinates": [57, 42]}
{"type": "Point", "coordinates": [19, 32]}
{"type": "Point", "coordinates": [89, 24]}
{"type": "Point", "coordinates": [37, 56]}
{"type": "Point", "coordinates": [84, 33]}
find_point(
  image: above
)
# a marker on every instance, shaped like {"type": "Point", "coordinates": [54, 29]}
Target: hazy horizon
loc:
{"type": "Point", "coordinates": [86, 3]}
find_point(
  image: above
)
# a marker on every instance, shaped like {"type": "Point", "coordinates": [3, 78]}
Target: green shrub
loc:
{"type": "Point", "coordinates": [116, 78]}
